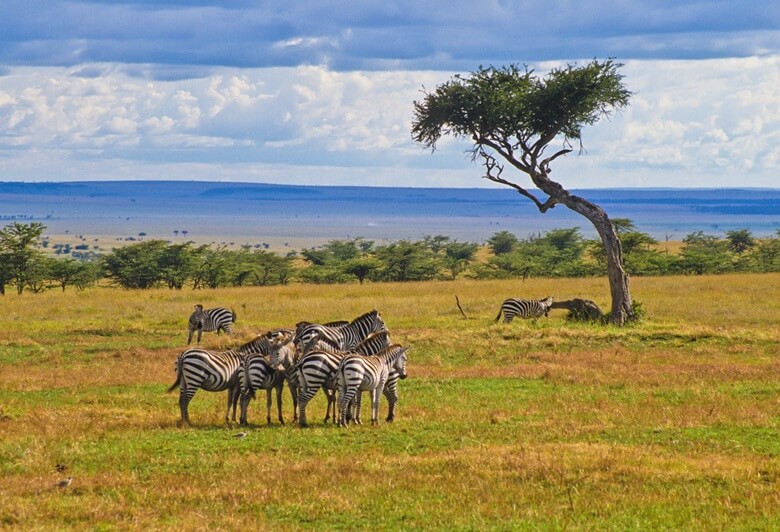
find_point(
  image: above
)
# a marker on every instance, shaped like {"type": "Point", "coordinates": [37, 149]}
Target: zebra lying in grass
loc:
{"type": "Point", "coordinates": [358, 373]}
{"type": "Point", "coordinates": [213, 371]}
{"type": "Point", "coordinates": [210, 320]}
{"type": "Point", "coordinates": [258, 372]}
{"type": "Point", "coordinates": [525, 308]}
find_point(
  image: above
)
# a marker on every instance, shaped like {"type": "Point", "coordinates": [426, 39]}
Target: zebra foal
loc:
{"type": "Point", "coordinates": [209, 320]}
{"type": "Point", "coordinates": [525, 308]}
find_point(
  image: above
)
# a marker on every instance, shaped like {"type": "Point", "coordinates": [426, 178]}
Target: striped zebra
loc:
{"type": "Point", "coordinates": [342, 337]}
{"type": "Point", "coordinates": [217, 371]}
{"type": "Point", "coordinates": [525, 308]}
{"type": "Point", "coordinates": [317, 369]}
{"type": "Point", "coordinates": [359, 373]}
{"type": "Point", "coordinates": [307, 335]}
{"type": "Point", "coordinates": [256, 373]}
{"type": "Point", "coordinates": [213, 319]}
{"type": "Point", "coordinates": [284, 359]}
{"type": "Point", "coordinates": [379, 340]}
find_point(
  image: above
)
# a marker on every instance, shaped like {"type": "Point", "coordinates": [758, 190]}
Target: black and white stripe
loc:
{"type": "Point", "coordinates": [258, 372]}
{"type": "Point", "coordinates": [210, 320]}
{"type": "Point", "coordinates": [340, 337]}
{"type": "Point", "coordinates": [216, 371]}
{"type": "Point", "coordinates": [525, 308]}
{"type": "Point", "coordinates": [359, 373]}
{"type": "Point", "coordinates": [317, 369]}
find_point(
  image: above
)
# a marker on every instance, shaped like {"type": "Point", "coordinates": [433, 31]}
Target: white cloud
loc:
{"type": "Point", "coordinates": [690, 123]}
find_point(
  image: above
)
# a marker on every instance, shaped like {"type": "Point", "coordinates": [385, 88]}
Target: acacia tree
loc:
{"type": "Point", "coordinates": [512, 115]}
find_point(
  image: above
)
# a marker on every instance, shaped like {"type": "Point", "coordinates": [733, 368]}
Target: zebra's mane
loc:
{"type": "Point", "coordinates": [262, 343]}
{"type": "Point", "coordinates": [371, 314]}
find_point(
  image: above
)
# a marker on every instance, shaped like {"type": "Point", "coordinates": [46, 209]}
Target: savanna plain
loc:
{"type": "Point", "coordinates": [673, 422]}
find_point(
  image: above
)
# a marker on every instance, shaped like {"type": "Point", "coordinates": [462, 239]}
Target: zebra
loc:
{"type": "Point", "coordinates": [317, 369]}
{"type": "Point", "coordinates": [213, 319]}
{"type": "Point", "coordinates": [358, 373]}
{"type": "Point", "coordinates": [525, 308]}
{"type": "Point", "coordinates": [256, 373]}
{"type": "Point", "coordinates": [217, 371]}
{"type": "Point", "coordinates": [372, 345]}
{"type": "Point", "coordinates": [342, 337]}
{"type": "Point", "coordinates": [307, 335]}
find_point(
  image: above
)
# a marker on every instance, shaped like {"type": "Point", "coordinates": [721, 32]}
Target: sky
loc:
{"type": "Point", "coordinates": [321, 92]}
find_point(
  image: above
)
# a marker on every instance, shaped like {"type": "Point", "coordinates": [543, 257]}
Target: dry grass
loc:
{"type": "Point", "coordinates": [671, 423]}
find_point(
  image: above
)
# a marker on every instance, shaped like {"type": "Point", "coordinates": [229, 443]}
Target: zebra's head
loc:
{"type": "Point", "coordinates": [400, 363]}
{"type": "Point", "coordinates": [282, 353]}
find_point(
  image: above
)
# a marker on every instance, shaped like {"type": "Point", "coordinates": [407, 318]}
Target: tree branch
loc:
{"type": "Point", "coordinates": [493, 171]}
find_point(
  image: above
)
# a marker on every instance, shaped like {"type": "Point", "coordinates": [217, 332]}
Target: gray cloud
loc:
{"type": "Point", "coordinates": [379, 35]}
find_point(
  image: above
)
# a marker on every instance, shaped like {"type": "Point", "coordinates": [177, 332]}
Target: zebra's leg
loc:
{"type": "Point", "coordinates": [391, 392]}
{"type": "Point", "coordinates": [245, 398]}
{"type": "Point", "coordinates": [303, 400]}
{"type": "Point", "coordinates": [345, 397]}
{"type": "Point", "coordinates": [189, 336]}
{"type": "Point", "coordinates": [185, 396]}
{"type": "Point", "coordinates": [357, 403]}
{"type": "Point", "coordinates": [233, 400]}
{"type": "Point", "coordinates": [376, 393]}
{"type": "Point", "coordinates": [200, 332]}
{"type": "Point", "coordinates": [508, 317]}
{"type": "Point", "coordinates": [331, 395]}
{"type": "Point", "coordinates": [268, 402]}
{"type": "Point", "coordinates": [279, 390]}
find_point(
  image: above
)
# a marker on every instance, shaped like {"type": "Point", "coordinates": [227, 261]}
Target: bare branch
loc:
{"type": "Point", "coordinates": [493, 171]}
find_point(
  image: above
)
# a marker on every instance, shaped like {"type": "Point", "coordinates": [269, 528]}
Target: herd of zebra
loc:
{"type": "Point", "coordinates": [346, 356]}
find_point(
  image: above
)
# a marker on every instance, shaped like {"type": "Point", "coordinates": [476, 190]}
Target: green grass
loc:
{"type": "Point", "coordinates": [671, 423]}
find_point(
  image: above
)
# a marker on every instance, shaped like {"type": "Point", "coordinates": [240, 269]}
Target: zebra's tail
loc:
{"type": "Point", "coordinates": [233, 315]}
{"type": "Point", "coordinates": [499, 313]}
{"type": "Point", "coordinates": [178, 376]}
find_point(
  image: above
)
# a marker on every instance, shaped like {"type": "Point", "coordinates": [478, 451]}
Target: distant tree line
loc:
{"type": "Point", "coordinates": [555, 253]}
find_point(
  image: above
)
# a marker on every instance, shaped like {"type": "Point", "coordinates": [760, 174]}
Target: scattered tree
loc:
{"type": "Point", "coordinates": [512, 114]}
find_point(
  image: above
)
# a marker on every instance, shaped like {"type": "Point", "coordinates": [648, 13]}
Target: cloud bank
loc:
{"type": "Point", "coordinates": [317, 92]}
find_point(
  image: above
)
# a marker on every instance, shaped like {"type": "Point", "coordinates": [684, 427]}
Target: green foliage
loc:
{"type": "Point", "coordinates": [407, 261]}
{"type": "Point", "coordinates": [556, 253]}
{"type": "Point", "coordinates": [20, 262]}
{"type": "Point", "coordinates": [513, 106]}
{"type": "Point", "coordinates": [136, 265]}
{"type": "Point", "coordinates": [502, 242]}
{"type": "Point", "coordinates": [704, 254]}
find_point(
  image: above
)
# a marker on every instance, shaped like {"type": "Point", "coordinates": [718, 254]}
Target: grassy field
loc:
{"type": "Point", "coordinates": [671, 423]}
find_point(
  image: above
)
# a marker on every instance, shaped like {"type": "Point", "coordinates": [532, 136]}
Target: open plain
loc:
{"type": "Point", "coordinates": [673, 422]}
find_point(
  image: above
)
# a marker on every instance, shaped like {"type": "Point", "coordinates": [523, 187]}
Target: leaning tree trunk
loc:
{"type": "Point", "coordinates": [622, 309]}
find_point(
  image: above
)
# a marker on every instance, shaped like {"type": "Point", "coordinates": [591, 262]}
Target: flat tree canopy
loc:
{"type": "Point", "coordinates": [511, 115]}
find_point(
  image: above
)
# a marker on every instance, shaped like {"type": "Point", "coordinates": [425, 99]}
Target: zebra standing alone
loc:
{"type": "Point", "coordinates": [359, 373]}
{"type": "Point", "coordinates": [216, 371]}
{"type": "Point", "coordinates": [525, 308]}
{"type": "Point", "coordinates": [213, 319]}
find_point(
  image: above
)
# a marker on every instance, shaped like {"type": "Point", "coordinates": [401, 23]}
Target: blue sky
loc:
{"type": "Point", "coordinates": [321, 92]}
